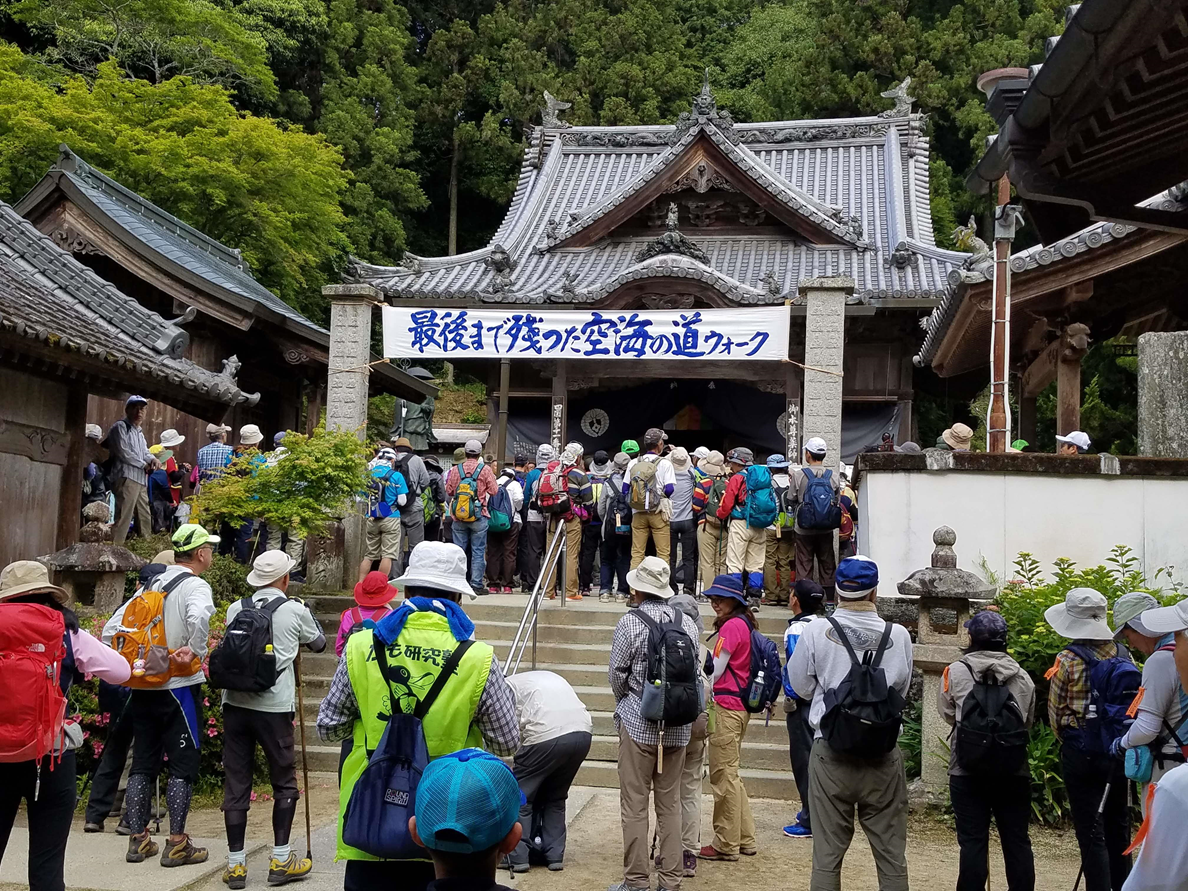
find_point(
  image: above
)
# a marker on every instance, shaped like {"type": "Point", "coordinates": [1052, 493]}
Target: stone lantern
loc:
{"type": "Point", "coordinates": [944, 593]}
{"type": "Point", "coordinates": [93, 571]}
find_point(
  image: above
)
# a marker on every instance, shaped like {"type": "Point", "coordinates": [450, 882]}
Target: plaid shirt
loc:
{"type": "Point", "coordinates": [1068, 695]}
{"type": "Point", "coordinates": [495, 716]}
{"type": "Point", "coordinates": [213, 460]}
{"type": "Point", "coordinates": [629, 669]}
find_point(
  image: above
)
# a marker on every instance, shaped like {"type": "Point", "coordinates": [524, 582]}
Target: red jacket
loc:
{"type": "Point", "coordinates": [736, 496]}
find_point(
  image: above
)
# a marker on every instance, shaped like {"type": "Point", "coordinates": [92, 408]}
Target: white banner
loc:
{"type": "Point", "coordinates": [530, 333]}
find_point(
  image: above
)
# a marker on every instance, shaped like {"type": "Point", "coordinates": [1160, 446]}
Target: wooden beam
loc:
{"type": "Point", "coordinates": [501, 435]}
{"type": "Point", "coordinates": [1074, 343]}
{"type": "Point", "coordinates": [1041, 372]}
{"type": "Point", "coordinates": [70, 488]}
{"type": "Point", "coordinates": [35, 443]}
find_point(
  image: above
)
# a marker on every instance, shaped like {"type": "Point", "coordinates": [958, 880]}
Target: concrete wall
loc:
{"type": "Point", "coordinates": [997, 514]}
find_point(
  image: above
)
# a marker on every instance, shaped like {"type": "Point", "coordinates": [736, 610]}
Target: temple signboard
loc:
{"type": "Point", "coordinates": [738, 334]}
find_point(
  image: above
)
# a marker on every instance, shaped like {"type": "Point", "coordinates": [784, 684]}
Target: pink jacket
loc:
{"type": "Point", "coordinates": [349, 619]}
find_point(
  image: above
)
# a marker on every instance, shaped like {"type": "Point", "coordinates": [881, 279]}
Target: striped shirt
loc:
{"type": "Point", "coordinates": [127, 445]}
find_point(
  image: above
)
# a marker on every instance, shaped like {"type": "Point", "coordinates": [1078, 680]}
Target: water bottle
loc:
{"type": "Point", "coordinates": [755, 697]}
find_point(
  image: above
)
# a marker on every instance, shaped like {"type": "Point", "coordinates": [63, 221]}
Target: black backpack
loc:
{"type": "Point", "coordinates": [402, 462]}
{"type": "Point", "coordinates": [863, 713]}
{"type": "Point", "coordinates": [244, 660]}
{"type": "Point", "coordinates": [991, 732]}
{"type": "Point", "coordinates": [672, 689]}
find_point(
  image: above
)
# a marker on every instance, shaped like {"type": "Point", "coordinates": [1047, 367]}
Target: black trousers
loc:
{"type": "Point", "coordinates": [243, 728]}
{"type": "Point", "coordinates": [545, 772]}
{"type": "Point", "coordinates": [684, 532]}
{"type": "Point", "coordinates": [388, 875]}
{"type": "Point", "coordinates": [106, 782]}
{"type": "Point", "coordinates": [49, 815]}
{"type": "Point", "coordinates": [1008, 799]}
{"type": "Point", "coordinates": [616, 560]}
{"type": "Point", "coordinates": [1102, 839]}
{"type": "Point", "coordinates": [591, 537]}
{"type": "Point", "coordinates": [534, 537]}
{"type": "Point", "coordinates": [800, 746]}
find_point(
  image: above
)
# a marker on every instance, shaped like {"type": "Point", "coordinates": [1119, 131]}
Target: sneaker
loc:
{"type": "Point", "coordinates": [480, 590]}
{"type": "Point", "coordinates": [748, 852]}
{"type": "Point", "coordinates": [93, 827]}
{"type": "Point", "coordinates": [709, 852]}
{"type": "Point", "coordinates": [235, 877]}
{"type": "Point", "coordinates": [123, 828]}
{"type": "Point", "coordinates": [289, 870]}
{"type": "Point", "coordinates": [797, 830]}
{"type": "Point", "coordinates": [140, 848]}
{"type": "Point", "coordinates": [587, 592]}
{"type": "Point", "coordinates": [556, 866]}
{"type": "Point", "coordinates": [604, 597]}
{"type": "Point", "coordinates": [689, 862]}
{"type": "Point", "coordinates": [574, 598]}
{"type": "Point", "coordinates": [182, 853]}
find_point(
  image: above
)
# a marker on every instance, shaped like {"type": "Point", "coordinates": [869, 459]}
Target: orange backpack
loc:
{"type": "Point", "coordinates": [140, 637]}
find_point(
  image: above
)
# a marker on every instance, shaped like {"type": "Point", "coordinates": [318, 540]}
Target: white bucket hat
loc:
{"type": "Point", "coordinates": [651, 577]}
{"type": "Point", "coordinates": [1082, 616]}
{"type": "Point", "coordinates": [1167, 618]}
{"type": "Point", "coordinates": [249, 434]}
{"type": "Point", "coordinates": [268, 567]}
{"type": "Point", "coordinates": [436, 564]}
{"type": "Point", "coordinates": [171, 438]}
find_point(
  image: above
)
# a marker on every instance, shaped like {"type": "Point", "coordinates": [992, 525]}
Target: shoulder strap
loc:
{"type": "Point", "coordinates": [886, 639]}
{"type": "Point", "coordinates": [172, 584]}
{"type": "Point", "coordinates": [274, 604]}
{"type": "Point", "coordinates": [246, 603]}
{"type": "Point", "coordinates": [973, 674]}
{"type": "Point", "coordinates": [447, 671]}
{"type": "Point", "coordinates": [827, 475]}
{"type": "Point", "coordinates": [647, 620]}
{"type": "Point", "coordinates": [356, 615]}
{"type": "Point", "coordinates": [845, 640]}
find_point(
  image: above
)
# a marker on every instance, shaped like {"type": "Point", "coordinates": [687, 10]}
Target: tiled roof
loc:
{"type": "Point", "coordinates": [862, 180]}
{"type": "Point", "coordinates": [49, 297]}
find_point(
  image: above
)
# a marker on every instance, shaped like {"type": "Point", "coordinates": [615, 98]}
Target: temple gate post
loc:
{"type": "Point", "coordinates": [1163, 394]}
{"type": "Point", "coordinates": [824, 351]}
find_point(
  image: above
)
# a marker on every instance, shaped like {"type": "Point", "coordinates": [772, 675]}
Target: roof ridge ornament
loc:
{"type": "Point", "coordinates": [903, 102]}
{"type": "Point", "coordinates": [550, 118]}
{"type": "Point", "coordinates": [705, 112]}
{"type": "Point", "coordinates": [672, 241]}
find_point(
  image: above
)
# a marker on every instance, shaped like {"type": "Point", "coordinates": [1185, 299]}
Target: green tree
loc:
{"type": "Point", "coordinates": [258, 185]}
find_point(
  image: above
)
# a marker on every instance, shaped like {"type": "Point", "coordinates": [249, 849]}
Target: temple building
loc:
{"type": "Point", "coordinates": [705, 214]}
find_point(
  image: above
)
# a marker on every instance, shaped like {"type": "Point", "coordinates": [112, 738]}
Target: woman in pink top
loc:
{"type": "Point", "coordinates": [372, 598]}
{"type": "Point", "coordinates": [734, 827]}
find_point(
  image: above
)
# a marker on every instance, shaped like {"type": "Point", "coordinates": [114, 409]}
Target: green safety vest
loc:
{"type": "Point", "coordinates": [418, 654]}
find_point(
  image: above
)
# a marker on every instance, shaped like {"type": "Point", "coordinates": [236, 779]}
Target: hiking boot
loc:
{"type": "Point", "coordinates": [289, 870]}
{"type": "Point", "coordinates": [556, 866]}
{"type": "Point", "coordinates": [140, 848]}
{"type": "Point", "coordinates": [123, 828]}
{"type": "Point", "coordinates": [748, 852]}
{"type": "Point", "coordinates": [93, 827]}
{"type": "Point", "coordinates": [182, 853]}
{"type": "Point", "coordinates": [798, 830]}
{"type": "Point", "coordinates": [235, 877]}
{"type": "Point", "coordinates": [689, 862]}
{"type": "Point", "coordinates": [709, 852]}
{"type": "Point", "coordinates": [604, 597]}
{"type": "Point", "coordinates": [514, 867]}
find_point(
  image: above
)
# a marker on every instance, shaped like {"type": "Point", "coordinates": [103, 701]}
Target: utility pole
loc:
{"type": "Point", "coordinates": [998, 423]}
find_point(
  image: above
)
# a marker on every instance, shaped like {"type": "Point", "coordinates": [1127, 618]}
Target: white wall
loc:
{"type": "Point", "coordinates": [997, 515]}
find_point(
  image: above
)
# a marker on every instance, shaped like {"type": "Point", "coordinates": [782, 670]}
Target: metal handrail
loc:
{"type": "Point", "coordinates": [528, 621]}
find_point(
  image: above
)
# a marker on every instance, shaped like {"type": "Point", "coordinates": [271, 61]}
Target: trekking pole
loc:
{"type": "Point", "coordinates": [304, 761]}
{"type": "Point", "coordinates": [1100, 810]}
{"type": "Point", "coordinates": [157, 808]}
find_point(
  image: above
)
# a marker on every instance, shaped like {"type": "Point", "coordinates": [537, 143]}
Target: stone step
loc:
{"type": "Point", "coordinates": [779, 785]}
{"type": "Point", "coordinates": [756, 755]}
{"type": "Point", "coordinates": [776, 733]}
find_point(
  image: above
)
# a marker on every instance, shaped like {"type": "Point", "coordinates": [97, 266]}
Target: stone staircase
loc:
{"type": "Point", "coordinates": [573, 640]}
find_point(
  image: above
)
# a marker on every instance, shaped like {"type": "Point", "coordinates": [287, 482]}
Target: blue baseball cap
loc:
{"type": "Point", "coordinates": [777, 462]}
{"type": "Point", "coordinates": [856, 577]}
{"type": "Point", "coordinates": [470, 795]}
{"type": "Point", "coordinates": [987, 626]}
{"type": "Point", "coordinates": [727, 586]}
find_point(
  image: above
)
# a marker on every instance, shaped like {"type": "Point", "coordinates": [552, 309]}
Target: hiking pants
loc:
{"type": "Point", "coordinates": [800, 747]}
{"type": "Point", "coordinates": [412, 518]}
{"type": "Point", "coordinates": [816, 547]}
{"type": "Point", "coordinates": [643, 525]}
{"type": "Point", "coordinates": [294, 544]}
{"type": "Point", "coordinates": [1008, 799]}
{"type": "Point", "coordinates": [839, 786]}
{"type": "Point", "coordinates": [591, 536]}
{"type": "Point", "coordinates": [684, 533]}
{"type": "Point", "coordinates": [106, 782]}
{"type": "Point", "coordinates": [534, 548]}
{"type": "Point", "coordinates": [573, 548]}
{"type": "Point", "coordinates": [132, 502]}
{"type": "Point", "coordinates": [745, 550]}
{"type": "Point", "coordinates": [164, 723]}
{"type": "Point", "coordinates": [501, 555]}
{"type": "Point", "coordinates": [545, 771]}
{"type": "Point", "coordinates": [711, 546]}
{"type": "Point", "coordinates": [639, 779]}
{"type": "Point", "coordinates": [691, 785]}
{"type": "Point", "coordinates": [779, 562]}
{"type": "Point", "coordinates": [734, 827]}
{"type": "Point", "coordinates": [616, 560]}
{"type": "Point", "coordinates": [49, 815]}
{"type": "Point", "coordinates": [1102, 839]}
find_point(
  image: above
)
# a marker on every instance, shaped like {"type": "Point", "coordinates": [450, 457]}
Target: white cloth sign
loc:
{"type": "Point", "coordinates": [530, 333]}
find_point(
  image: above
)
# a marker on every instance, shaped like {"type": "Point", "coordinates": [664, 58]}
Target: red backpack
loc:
{"type": "Point", "coordinates": [553, 492]}
{"type": "Point", "coordinates": [32, 704]}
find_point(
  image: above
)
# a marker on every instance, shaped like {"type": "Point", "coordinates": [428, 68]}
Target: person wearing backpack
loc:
{"type": "Point", "coordinates": [373, 600]}
{"type": "Point", "coordinates": [430, 671]}
{"type": "Point", "coordinates": [682, 524]}
{"type": "Point", "coordinates": [42, 653]}
{"type": "Point", "coordinates": [989, 700]}
{"type": "Point", "coordinates": [1158, 739]}
{"type": "Point", "coordinates": [818, 514]}
{"type": "Point", "coordinates": [615, 509]}
{"type": "Point", "coordinates": [470, 486]}
{"type": "Point", "coordinates": [655, 639]}
{"type": "Point", "coordinates": [779, 553]}
{"type": "Point", "coordinates": [806, 602]}
{"type": "Point", "coordinates": [1082, 714]}
{"type": "Point", "coordinates": [435, 499]}
{"type": "Point", "coordinates": [563, 491]}
{"type": "Point", "coordinates": [264, 717]}
{"type": "Point", "coordinates": [856, 670]}
{"type": "Point", "coordinates": [387, 493]}
{"type": "Point", "coordinates": [649, 484]}
{"type": "Point", "coordinates": [416, 477]}
{"type": "Point", "coordinates": [599, 472]}
{"type": "Point", "coordinates": [503, 531]}
{"type": "Point", "coordinates": [533, 533]}
{"type": "Point", "coordinates": [711, 532]}
{"type": "Point", "coordinates": [166, 706]}
{"type": "Point", "coordinates": [734, 826]}
{"type": "Point", "coordinates": [749, 507]}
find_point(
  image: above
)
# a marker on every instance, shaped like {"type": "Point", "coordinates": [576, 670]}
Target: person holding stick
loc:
{"type": "Point", "coordinates": [267, 718]}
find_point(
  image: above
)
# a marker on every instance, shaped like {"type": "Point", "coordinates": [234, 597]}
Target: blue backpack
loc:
{"type": "Point", "coordinates": [1113, 685]}
{"type": "Point", "coordinates": [500, 510]}
{"type": "Point", "coordinates": [765, 657]}
{"type": "Point", "coordinates": [385, 795]}
{"type": "Point", "coordinates": [820, 509]}
{"type": "Point", "coordinates": [762, 509]}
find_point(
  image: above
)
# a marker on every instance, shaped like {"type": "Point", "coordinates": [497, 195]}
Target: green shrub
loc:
{"type": "Point", "coordinates": [911, 738]}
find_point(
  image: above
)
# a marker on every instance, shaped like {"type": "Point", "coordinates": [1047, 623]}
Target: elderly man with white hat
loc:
{"type": "Point", "coordinates": [428, 637]}
{"type": "Point", "coordinates": [1103, 830]}
{"type": "Point", "coordinates": [1072, 444]}
{"type": "Point", "coordinates": [266, 718]}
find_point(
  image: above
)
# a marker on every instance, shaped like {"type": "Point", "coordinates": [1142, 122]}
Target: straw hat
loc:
{"type": "Point", "coordinates": [28, 577]}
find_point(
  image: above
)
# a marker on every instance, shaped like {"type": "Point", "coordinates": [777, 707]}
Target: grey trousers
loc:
{"type": "Point", "coordinates": [413, 521]}
{"type": "Point", "coordinates": [545, 772]}
{"type": "Point", "coordinates": [840, 785]}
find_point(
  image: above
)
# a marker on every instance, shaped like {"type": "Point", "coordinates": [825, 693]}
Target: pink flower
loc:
{"type": "Point", "coordinates": [86, 734]}
{"type": "Point", "coordinates": [206, 701]}
{"type": "Point", "coordinates": [212, 732]}
{"type": "Point", "coordinates": [253, 798]}
{"type": "Point", "coordinates": [97, 748]}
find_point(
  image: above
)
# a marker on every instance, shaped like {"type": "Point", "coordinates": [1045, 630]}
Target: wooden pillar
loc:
{"type": "Point", "coordinates": [504, 386]}
{"type": "Point", "coordinates": [313, 410]}
{"type": "Point", "coordinates": [1074, 343]}
{"type": "Point", "coordinates": [999, 424]}
{"type": "Point", "coordinates": [70, 489]}
{"type": "Point", "coordinates": [558, 416]}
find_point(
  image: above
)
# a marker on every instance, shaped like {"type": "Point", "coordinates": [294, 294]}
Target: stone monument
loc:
{"type": "Point", "coordinates": [1163, 394]}
{"type": "Point", "coordinates": [824, 350]}
{"type": "Point", "coordinates": [944, 593]}
{"type": "Point", "coordinates": [93, 571]}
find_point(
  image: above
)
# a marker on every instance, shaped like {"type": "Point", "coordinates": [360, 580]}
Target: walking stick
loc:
{"type": "Point", "coordinates": [1100, 809]}
{"type": "Point", "coordinates": [304, 761]}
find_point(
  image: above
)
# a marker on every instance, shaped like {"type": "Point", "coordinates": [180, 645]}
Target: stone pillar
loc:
{"type": "Point", "coordinates": [824, 348]}
{"type": "Point", "coordinates": [1163, 395]}
{"type": "Point", "coordinates": [944, 593]}
{"type": "Point", "coordinates": [347, 387]}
